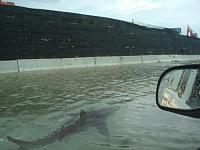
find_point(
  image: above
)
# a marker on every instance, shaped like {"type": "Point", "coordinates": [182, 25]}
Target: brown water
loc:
{"type": "Point", "coordinates": [34, 103]}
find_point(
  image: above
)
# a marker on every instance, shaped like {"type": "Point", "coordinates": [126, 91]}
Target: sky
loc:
{"type": "Point", "coordinates": [164, 13]}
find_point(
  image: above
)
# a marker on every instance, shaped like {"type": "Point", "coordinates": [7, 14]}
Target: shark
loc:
{"type": "Point", "coordinates": [85, 119]}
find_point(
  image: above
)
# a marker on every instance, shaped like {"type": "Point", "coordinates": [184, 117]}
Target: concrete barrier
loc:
{"type": "Point", "coordinates": [149, 58]}
{"type": "Point", "coordinates": [69, 63]}
{"type": "Point", "coordinates": [165, 58]}
{"type": "Point", "coordinates": [130, 59]}
{"type": "Point", "coordinates": [77, 62]}
{"type": "Point", "coordinates": [9, 66]}
{"type": "Point", "coordinates": [90, 61]}
{"type": "Point", "coordinates": [39, 64]}
{"type": "Point", "coordinates": [180, 58]}
{"type": "Point", "coordinates": [195, 57]}
{"type": "Point", "coordinates": [64, 63]}
{"type": "Point", "coordinates": [107, 61]}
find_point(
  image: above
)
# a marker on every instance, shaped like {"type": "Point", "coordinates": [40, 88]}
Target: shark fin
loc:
{"type": "Point", "coordinates": [103, 129]}
{"type": "Point", "coordinates": [82, 117]}
{"type": "Point", "coordinates": [82, 113]}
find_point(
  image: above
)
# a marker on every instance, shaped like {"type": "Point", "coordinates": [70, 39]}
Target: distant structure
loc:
{"type": "Point", "coordinates": [146, 25]}
{"type": "Point", "coordinates": [178, 30]}
{"type": "Point", "coordinates": [190, 32]}
{"type": "Point", "coordinates": [6, 3]}
{"type": "Point", "coordinates": [44, 34]}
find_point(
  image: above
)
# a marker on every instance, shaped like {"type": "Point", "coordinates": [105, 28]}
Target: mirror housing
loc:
{"type": "Point", "coordinates": [178, 90]}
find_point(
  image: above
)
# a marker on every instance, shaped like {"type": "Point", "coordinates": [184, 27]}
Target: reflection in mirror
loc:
{"type": "Point", "coordinates": [180, 89]}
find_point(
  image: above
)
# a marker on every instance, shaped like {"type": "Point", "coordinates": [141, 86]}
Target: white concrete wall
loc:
{"type": "Point", "coordinates": [39, 64]}
{"type": "Point", "coordinates": [64, 63]}
{"type": "Point", "coordinates": [130, 59]}
{"type": "Point", "coordinates": [150, 59]}
{"type": "Point", "coordinates": [164, 58]}
{"type": "Point", "coordinates": [107, 61]}
{"type": "Point", "coordinates": [8, 66]}
{"type": "Point", "coordinates": [77, 62]}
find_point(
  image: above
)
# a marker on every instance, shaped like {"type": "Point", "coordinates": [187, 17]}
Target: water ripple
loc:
{"type": "Point", "coordinates": [32, 103]}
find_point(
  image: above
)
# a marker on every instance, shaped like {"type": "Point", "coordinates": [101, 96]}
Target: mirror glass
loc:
{"type": "Point", "coordinates": [180, 89]}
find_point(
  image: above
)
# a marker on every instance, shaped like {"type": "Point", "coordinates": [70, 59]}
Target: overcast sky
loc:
{"type": "Point", "coordinates": [165, 13]}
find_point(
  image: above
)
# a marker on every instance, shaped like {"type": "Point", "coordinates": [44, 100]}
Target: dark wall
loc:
{"type": "Point", "coordinates": [30, 33]}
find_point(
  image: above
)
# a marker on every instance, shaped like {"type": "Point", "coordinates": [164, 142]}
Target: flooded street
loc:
{"type": "Point", "coordinates": [32, 104]}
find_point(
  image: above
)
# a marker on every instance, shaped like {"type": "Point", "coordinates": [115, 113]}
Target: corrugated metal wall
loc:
{"type": "Point", "coordinates": [29, 33]}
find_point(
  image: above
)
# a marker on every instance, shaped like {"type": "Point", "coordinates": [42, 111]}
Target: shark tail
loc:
{"type": "Point", "coordinates": [23, 145]}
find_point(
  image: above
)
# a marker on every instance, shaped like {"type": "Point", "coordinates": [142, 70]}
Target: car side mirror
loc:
{"type": "Point", "coordinates": [178, 90]}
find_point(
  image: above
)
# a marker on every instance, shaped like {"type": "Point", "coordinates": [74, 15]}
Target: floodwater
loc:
{"type": "Point", "coordinates": [32, 104]}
